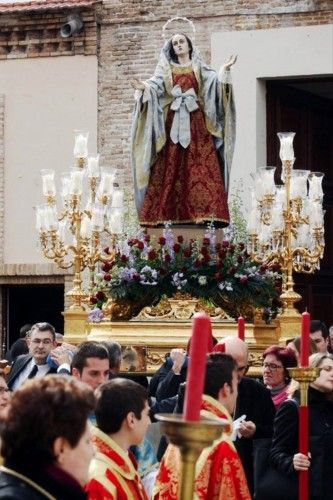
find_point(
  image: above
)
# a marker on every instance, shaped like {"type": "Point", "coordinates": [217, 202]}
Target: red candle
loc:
{"type": "Point", "coordinates": [201, 330]}
{"type": "Point", "coordinates": [241, 328]}
{"type": "Point", "coordinates": [305, 339]}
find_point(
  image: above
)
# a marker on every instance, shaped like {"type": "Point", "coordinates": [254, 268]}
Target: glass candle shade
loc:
{"type": "Point", "coordinates": [316, 215]}
{"type": "Point", "coordinates": [315, 186]}
{"type": "Point", "coordinates": [93, 167]}
{"type": "Point", "coordinates": [76, 182]}
{"type": "Point", "coordinates": [299, 183]}
{"type": "Point", "coordinates": [117, 199]}
{"type": "Point", "coordinates": [116, 221]}
{"type": "Point", "coordinates": [97, 218]}
{"type": "Point", "coordinates": [280, 196]}
{"type": "Point", "coordinates": [81, 144]}
{"type": "Point", "coordinates": [266, 174]}
{"type": "Point", "coordinates": [48, 182]}
{"type": "Point", "coordinates": [105, 187]}
{"type": "Point", "coordinates": [286, 145]}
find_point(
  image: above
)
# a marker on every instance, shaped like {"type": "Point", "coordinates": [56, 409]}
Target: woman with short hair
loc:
{"type": "Point", "coordinates": [46, 440]}
{"type": "Point", "coordinates": [275, 366]}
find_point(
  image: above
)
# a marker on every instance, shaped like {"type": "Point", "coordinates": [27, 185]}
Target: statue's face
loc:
{"type": "Point", "coordinates": [180, 45]}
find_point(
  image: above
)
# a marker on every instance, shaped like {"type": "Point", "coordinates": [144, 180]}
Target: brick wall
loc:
{"type": "Point", "coordinates": [130, 40]}
{"type": "Point", "coordinates": [36, 34]}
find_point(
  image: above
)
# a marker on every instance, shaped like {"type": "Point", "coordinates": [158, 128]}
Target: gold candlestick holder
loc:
{"type": "Point", "coordinates": [304, 377]}
{"type": "Point", "coordinates": [191, 438]}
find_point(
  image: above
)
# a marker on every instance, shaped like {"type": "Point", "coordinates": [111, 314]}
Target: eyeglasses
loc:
{"type": "Point", "coordinates": [42, 341]}
{"type": "Point", "coordinates": [271, 366]}
{"type": "Point", "coordinates": [3, 390]}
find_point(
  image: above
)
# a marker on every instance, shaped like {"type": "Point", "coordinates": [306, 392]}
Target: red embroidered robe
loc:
{"type": "Point", "coordinates": [219, 471]}
{"type": "Point", "coordinates": [113, 472]}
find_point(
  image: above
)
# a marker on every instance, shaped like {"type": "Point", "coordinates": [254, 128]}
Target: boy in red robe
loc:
{"type": "Point", "coordinates": [219, 471]}
{"type": "Point", "coordinates": [122, 416]}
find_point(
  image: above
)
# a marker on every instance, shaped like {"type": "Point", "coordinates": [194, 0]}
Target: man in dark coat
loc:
{"type": "Point", "coordinates": [41, 341]}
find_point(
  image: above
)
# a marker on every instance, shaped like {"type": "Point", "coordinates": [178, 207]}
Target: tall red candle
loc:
{"type": "Point", "coordinates": [241, 328]}
{"type": "Point", "coordinates": [201, 330]}
{"type": "Point", "coordinates": [305, 339]}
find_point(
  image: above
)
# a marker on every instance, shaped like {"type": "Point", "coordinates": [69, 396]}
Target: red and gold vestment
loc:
{"type": "Point", "coordinates": [113, 472]}
{"type": "Point", "coordinates": [219, 471]}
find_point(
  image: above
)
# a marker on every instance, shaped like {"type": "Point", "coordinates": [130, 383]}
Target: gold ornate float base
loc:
{"type": "Point", "coordinates": [146, 338]}
{"type": "Point", "coordinates": [157, 337]}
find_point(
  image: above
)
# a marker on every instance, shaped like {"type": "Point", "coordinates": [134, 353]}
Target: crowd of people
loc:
{"type": "Point", "coordinates": [74, 426]}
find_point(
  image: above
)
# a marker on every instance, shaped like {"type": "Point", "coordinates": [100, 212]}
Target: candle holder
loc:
{"type": "Point", "coordinates": [304, 377]}
{"type": "Point", "coordinates": [191, 438]}
{"type": "Point", "coordinates": [286, 228]}
{"type": "Point", "coordinates": [88, 206]}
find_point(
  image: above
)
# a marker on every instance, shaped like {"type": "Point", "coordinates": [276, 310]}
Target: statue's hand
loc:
{"type": "Point", "coordinates": [230, 62]}
{"type": "Point", "coordinates": [137, 84]}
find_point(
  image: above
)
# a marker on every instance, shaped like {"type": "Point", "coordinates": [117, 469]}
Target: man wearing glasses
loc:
{"type": "Point", "coordinates": [41, 341]}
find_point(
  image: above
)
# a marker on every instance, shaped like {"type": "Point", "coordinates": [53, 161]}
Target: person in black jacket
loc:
{"type": "Point", "coordinates": [165, 382]}
{"type": "Point", "coordinates": [46, 440]}
{"type": "Point", "coordinates": [41, 342]}
{"type": "Point", "coordinates": [284, 455]}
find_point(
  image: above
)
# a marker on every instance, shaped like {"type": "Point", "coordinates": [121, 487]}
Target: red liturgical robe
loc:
{"type": "Point", "coordinates": [113, 473]}
{"type": "Point", "coordinates": [219, 471]}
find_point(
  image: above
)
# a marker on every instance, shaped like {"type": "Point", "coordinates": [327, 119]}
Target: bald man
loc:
{"type": "Point", "coordinates": [253, 400]}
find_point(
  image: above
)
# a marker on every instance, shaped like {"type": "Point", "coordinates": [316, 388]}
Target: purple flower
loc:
{"type": "Point", "coordinates": [96, 315]}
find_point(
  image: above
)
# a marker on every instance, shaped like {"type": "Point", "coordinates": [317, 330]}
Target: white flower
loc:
{"type": "Point", "coordinates": [202, 280]}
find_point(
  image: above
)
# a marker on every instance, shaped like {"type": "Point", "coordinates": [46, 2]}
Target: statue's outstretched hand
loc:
{"type": "Point", "coordinates": [137, 84]}
{"type": "Point", "coordinates": [230, 62]}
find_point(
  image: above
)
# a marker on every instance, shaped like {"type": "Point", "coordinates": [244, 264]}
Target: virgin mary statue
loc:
{"type": "Point", "coordinates": [183, 139]}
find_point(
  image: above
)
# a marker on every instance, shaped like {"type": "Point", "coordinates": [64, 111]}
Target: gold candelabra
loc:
{"type": "Point", "coordinates": [87, 212]}
{"type": "Point", "coordinates": [286, 222]}
{"type": "Point", "coordinates": [191, 438]}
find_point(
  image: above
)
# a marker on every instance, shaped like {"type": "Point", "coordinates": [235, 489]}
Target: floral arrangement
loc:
{"type": "Point", "coordinates": [143, 270]}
